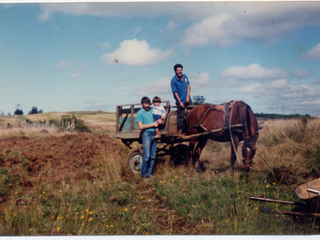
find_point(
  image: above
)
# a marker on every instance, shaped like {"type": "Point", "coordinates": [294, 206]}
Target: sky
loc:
{"type": "Point", "coordinates": [86, 56]}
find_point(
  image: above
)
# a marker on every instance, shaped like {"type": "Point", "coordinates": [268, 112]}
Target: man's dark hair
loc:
{"type": "Point", "coordinates": [178, 65]}
{"type": "Point", "coordinates": [156, 99]}
{"type": "Point", "coordinates": [145, 100]}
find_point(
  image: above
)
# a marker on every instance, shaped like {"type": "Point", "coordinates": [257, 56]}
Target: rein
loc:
{"type": "Point", "coordinates": [200, 123]}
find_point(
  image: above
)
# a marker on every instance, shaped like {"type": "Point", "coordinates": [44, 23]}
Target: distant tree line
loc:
{"type": "Point", "coordinates": [281, 116]}
{"type": "Point", "coordinates": [34, 110]}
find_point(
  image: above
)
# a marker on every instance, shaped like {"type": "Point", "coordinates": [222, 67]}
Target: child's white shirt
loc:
{"type": "Point", "coordinates": [159, 110]}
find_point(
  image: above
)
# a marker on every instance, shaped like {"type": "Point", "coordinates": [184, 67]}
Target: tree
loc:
{"type": "Point", "coordinates": [18, 112]}
{"type": "Point", "coordinates": [34, 110]}
{"type": "Point", "coordinates": [197, 100]}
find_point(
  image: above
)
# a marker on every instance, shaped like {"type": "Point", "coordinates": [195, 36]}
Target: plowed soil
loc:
{"type": "Point", "coordinates": [64, 157]}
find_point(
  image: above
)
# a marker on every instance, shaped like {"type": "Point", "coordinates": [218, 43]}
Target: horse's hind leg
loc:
{"type": "Point", "coordinates": [201, 144]}
{"type": "Point", "coordinates": [191, 150]}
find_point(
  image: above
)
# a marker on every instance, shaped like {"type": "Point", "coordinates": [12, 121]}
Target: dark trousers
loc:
{"type": "Point", "coordinates": [180, 116]}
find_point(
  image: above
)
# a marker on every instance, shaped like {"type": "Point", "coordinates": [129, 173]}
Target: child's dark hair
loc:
{"type": "Point", "coordinates": [145, 100]}
{"type": "Point", "coordinates": [156, 99]}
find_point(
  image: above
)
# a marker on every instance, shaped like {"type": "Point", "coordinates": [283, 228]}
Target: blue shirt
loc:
{"type": "Point", "coordinates": [181, 87]}
{"type": "Point", "coordinates": [146, 118]}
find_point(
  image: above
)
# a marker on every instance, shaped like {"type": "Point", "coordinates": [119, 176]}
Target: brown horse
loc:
{"type": "Point", "coordinates": [230, 122]}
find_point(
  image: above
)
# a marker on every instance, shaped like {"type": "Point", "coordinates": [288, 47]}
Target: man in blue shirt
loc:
{"type": "Point", "coordinates": [180, 87]}
{"type": "Point", "coordinates": [147, 125]}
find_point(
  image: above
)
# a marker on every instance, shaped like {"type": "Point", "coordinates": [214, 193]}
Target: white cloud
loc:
{"type": "Point", "coordinates": [314, 53]}
{"type": "Point", "coordinates": [300, 73]}
{"type": "Point", "coordinates": [214, 23]}
{"type": "Point", "coordinates": [199, 81]}
{"type": "Point", "coordinates": [63, 65]}
{"type": "Point", "coordinates": [79, 69]}
{"type": "Point", "coordinates": [279, 84]}
{"type": "Point", "coordinates": [252, 72]}
{"type": "Point", "coordinates": [252, 22]}
{"type": "Point", "coordinates": [172, 25]}
{"type": "Point", "coordinates": [136, 53]}
{"type": "Point", "coordinates": [256, 88]}
{"type": "Point", "coordinates": [157, 87]}
{"type": "Point", "coordinates": [280, 92]}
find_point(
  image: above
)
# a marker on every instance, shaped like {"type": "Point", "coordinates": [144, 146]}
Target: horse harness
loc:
{"type": "Point", "coordinates": [224, 108]}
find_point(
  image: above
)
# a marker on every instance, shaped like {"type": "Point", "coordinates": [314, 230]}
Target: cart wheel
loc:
{"type": "Point", "coordinates": [135, 159]}
{"type": "Point", "coordinates": [179, 154]}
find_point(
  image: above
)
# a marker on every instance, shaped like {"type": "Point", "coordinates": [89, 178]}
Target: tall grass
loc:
{"type": "Point", "coordinates": [176, 200]}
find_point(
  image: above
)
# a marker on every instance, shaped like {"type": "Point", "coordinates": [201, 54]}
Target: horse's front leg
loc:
{"type": "Point", "coordinates": [234, 147]}
{"type": "Point", "coordinates": [198, 150]}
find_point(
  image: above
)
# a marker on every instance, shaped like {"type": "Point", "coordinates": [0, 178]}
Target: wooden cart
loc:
{"type": "Point", "coordinates": [128, 131]}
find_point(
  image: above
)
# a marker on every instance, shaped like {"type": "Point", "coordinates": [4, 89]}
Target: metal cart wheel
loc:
{"type": "Point", "coordinates": [134, 160]}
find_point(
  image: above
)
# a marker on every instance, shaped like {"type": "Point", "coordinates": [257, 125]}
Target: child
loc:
{"type": "Point", "coordinates": [146, 124]}
{"type": "Point", "coordinates": [159, 113]}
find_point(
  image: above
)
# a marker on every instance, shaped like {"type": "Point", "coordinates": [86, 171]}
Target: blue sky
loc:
{"type": "Point", "coordinates": [94, 56]}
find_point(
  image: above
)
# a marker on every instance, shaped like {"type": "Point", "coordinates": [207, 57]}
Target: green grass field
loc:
{"type": "Point", "coordinates": [177, 200]}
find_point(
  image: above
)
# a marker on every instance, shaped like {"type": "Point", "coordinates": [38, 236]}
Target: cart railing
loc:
{"type": "Point", "coordinates": [126, 125]}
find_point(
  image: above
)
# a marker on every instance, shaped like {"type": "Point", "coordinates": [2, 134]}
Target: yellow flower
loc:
{"type": "Point", "coordinates": [43, 192]}
{"type": "Point", "coordinates": [82, 217]}
{"type": "Point", "coordinates": [141, 197]}
{"type": "Point", "coordinates": [184, 193]}
{"type": "Point", "coordinates": [58, 218]}
{"type": "Point", "coordinates": [90, 213]}
{"type": "Point", "coordinates": [16, 193]}
{"type": "Point", "coordinates": [10, 184]}
{"type": "Point", "coordinates": [79, 231]}
{"type": "Point", "coordinates": [52, 217]}
{"type": "Point", "coordinates": [69, 234]}
{"type": "Point", "coordinates": [227, 220]}
{"type": "Point", "coordinates": [30, 229]}
{"type": "Point", "coordinates": [90, 219]}
{"type": "Point", "coordinates": [256, 208]}
{"type": "Point", "coordinates": [111, 225]}
{"type": "Point", "coordinates": [160, 181]}
{"type": "Point", "coordinates": [87, 210]}
{"type": "Point", "coordinates": [133, 207]}
{"type": "Point", "coordinates": [101, 186]}
{"type": "Point", "coordinates": [267, 186]}
{"type": "Point", "coordinates": [58, 229]}
{"type": "Point", "coordinates": [184, 174]}
{"type": "Point", "coordinates": [175, 177]}
{"type": "Point", "coordinates": [274, 183]}
{"type": "Point", "coordinates": [126, 209]}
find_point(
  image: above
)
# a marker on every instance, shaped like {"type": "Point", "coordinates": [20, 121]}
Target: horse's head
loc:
{"type": "Point", "coordinates": [248, 151]}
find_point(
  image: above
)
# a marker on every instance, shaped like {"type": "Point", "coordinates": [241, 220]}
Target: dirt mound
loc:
{"type": "Point", "coordinates": [54, 157]}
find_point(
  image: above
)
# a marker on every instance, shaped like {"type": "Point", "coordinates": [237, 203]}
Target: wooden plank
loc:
{"type": "Point", "coordinates": [132, 118]}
